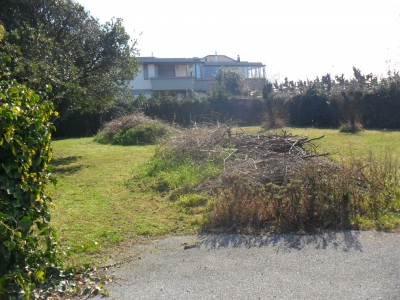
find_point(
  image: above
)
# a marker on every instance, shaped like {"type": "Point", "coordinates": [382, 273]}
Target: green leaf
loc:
{"type": "Point", "coordinates": [39, 275]}
{"type": "Point", "coordinates": [25, 223]}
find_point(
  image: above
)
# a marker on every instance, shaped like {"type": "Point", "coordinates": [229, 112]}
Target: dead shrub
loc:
{"type": "Point", "coordinates": [351, 128]}
{"type": "Point", "coordinates": [318, 195]}
{"type": "Point", "coordinates": [280, 181]}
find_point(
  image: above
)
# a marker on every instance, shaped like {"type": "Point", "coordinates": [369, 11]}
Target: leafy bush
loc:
{"type": "Point", "coordinates": [135, 129]}
{"type": "Point", "coordinates": [27, 242]}
{"type": "Point", "coordinates": [141, 134]}
{"type": "Point", "coordinates": [228, 81]}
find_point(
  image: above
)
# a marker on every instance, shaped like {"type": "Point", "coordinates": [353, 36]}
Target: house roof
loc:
{"type": "Point", "coordinates": [156, 60]}
{"type": "Point", "coordinates": [232, 63]}
{"type": "Point", "coordinates": [165, 60]}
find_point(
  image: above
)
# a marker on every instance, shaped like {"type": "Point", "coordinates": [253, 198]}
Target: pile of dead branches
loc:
{"type": "Point", "coordinates": [260, 158]}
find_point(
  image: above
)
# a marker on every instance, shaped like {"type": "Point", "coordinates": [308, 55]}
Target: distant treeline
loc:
{"type": "Point", "coordinates": [323, 102]}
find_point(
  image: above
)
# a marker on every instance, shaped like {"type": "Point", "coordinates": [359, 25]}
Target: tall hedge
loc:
{"type": "Point", "coordinates": [27, 243]}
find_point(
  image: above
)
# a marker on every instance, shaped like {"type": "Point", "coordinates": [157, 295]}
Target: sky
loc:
{"type": "Point", "coordinates": [293, 38]}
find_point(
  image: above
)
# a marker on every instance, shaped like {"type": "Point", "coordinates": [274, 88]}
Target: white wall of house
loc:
{"type": "Point", "coordinates": [152, 70]}
{"type": "Point", "coordinates": [244, 71]}
{"type": "Point", "coordinates": [180, 71]}
{"type": "Point", "coordinates": [139, 83]}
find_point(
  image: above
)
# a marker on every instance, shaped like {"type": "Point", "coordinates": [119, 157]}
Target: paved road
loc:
{"type": "Point", "coordinates": [331, 265]}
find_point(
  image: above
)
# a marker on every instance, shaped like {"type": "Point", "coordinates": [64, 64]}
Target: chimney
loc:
{"type": "Point", "coordinates": [238, 58]}
{"type": "Point", "coordinates": [216, 56]}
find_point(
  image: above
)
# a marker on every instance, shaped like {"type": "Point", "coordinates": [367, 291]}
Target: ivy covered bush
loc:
{"type": "Point", "coordinates": [27, 242]}
{"type": "Point", "coordinates": [134, 129]}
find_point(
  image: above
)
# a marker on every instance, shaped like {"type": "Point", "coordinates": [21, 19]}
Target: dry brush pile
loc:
{"type": "Point", "coordinates": [280, 182]}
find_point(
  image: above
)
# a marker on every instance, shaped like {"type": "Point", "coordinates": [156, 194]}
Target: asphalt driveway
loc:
{"type": "Point", "coordinates": [329, 265]}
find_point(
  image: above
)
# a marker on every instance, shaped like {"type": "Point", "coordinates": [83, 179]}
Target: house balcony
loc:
{"type": "Point", "coordinates": [202, 84]}
{"type": "Point", "coordinates": [192, 83]}
{"type": "Point", "coordinates": [255, 83]}
{"type": "Point", "coordinates": [172, 83]}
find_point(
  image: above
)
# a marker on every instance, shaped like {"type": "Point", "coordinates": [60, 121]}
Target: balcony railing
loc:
{"type": "Point", "coordinates": [172, 83]}
{"type": "Point", "coordinates": [191, 83]}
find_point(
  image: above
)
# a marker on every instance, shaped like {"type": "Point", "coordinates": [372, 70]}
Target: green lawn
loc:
{"type": "Point", "coordinates": [102, 204]}
{"type": "Point", "coordinates": [344, 145]}
{"type": "Point", "coordinates": [99, 203]}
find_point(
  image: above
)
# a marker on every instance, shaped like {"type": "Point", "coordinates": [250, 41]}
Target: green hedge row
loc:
{"type": "Point", "coordinates": [325, 102]}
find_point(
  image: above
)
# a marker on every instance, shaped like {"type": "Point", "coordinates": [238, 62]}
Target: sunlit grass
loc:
{"type": "Point", "coordinates": [343, 145]}
{"type": "Point", "coordinates": [108, 196]}
{"type": "Point", "coordinates": [100, 204]}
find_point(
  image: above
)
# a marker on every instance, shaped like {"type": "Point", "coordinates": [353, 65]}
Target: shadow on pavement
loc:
{"type": "Point", "coordinates": [339, 240]}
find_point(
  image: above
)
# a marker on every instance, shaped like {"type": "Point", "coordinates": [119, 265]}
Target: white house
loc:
{"type": "Point", "coordinates": [178, 75]}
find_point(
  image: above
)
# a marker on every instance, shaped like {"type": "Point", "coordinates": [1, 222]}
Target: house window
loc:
{"type": "Point", "coordinates": [198, 71]}
{"type": "Point", "coordinates": [189, 71]}
{"type": "Point", "coordinates": [209, 72]}
{"type": "Point", "coordinates": [166, 71]}
{"type": "Point", "coordinates": [145, 72]}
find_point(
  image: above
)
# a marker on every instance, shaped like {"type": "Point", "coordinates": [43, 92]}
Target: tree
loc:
{"type": "Point", "coordinates": [352, 106]}
{"type": "Point", "coordinates": [267, 95]}
{"type": "Point", "coordinates": [228, 82]}
{"type": "Point", "coordinates": [88, 64]}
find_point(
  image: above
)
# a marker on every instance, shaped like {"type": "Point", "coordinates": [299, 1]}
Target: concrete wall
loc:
{"type": "Point", "coordinates": [202, 84]}
{"type": "Point", "coordinates": [138, 83]}
{"type": "Point", "coordinates": [152, 70]}
{"type": "Point", "coordinates": [172, 84]}
{"type": "Point", "coordinates": [180, 71]}
{"type": "Point", "coordinates": [244, 71]}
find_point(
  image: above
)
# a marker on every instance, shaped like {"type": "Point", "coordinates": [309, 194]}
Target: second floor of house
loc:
{"type": "Point", "coordinates": [162, 74]}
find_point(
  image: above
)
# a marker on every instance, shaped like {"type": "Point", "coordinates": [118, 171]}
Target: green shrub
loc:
{"type": "Point", "coordinates": [27, 242]}
{"type": "Point", "coordinates": [102, 138]}
{"type": "Point", "coordinates": [140, 134]}
{"type": "Point", "coordinates": [227, 82]}
{"type": "Point", "coordinates": [135, 129]}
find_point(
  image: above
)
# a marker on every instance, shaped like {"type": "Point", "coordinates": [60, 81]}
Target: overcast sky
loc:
{"type": "Point", "coordinates": [293, 38]}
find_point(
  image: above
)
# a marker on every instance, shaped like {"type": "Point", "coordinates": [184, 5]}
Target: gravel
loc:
{"type": "Point", "coordinates": [328, 265]}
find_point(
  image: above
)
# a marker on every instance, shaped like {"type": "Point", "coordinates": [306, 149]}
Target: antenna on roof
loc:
{"type": "Point", "coordinates": [216, 56]}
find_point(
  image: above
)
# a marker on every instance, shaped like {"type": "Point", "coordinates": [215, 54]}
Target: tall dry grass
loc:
{"type": "Point", "coordinates": [320, 195]}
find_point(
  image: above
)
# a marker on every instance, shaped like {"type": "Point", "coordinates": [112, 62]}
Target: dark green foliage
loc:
{"type": "Point", "coordinates": [328, 103]}
{"type": "Point", "coordinates": [141, 134]}
{"type": "Point", "coordinates": [371, 102]}
{"type": "Point", "coordinates": [57, 42]}
{"type": "Point", "coordinates": [382, 103]}
{"type": "Point", "coordinates": [27, 243]}
{"type": "Point", "coordinates": [173, 109]}
{"type": "Point", "coordinates": [78, 124]}
{"type": "Point", "coordinates": [187, 111]}
{"type": "Point", "coordinates": [228, 82]}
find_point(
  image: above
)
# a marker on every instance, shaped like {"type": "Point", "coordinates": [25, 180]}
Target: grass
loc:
{"type": "Point", "coordinates": [345, 145]}
{"type": "Point", "coordinates": [109, 196]}
{"type": "Point", "coordinates": [99, 201]}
